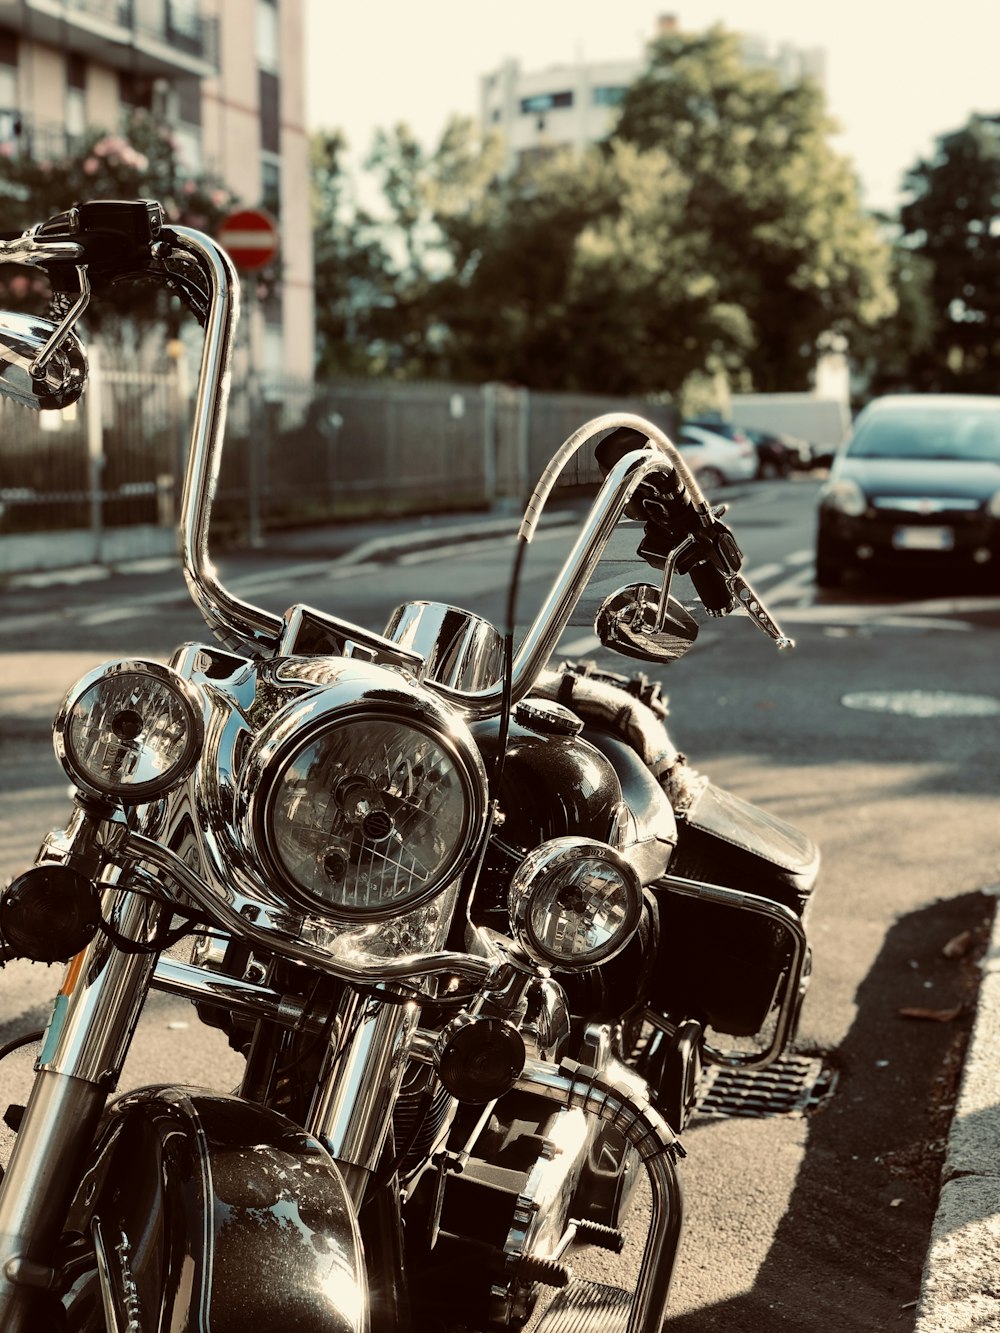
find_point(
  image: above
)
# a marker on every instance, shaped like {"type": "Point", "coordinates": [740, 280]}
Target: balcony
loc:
{"type": "Point", "coordinates": [154, 38]}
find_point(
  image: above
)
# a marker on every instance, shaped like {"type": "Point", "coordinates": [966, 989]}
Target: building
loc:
{"type": "Point", "coordinates": [571, 106]}
{"type": "Point", "coordinates": [226, 75]}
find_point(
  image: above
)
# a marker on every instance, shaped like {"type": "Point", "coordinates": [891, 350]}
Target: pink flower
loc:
{"type": "Point", "coordinates": [90, 166]}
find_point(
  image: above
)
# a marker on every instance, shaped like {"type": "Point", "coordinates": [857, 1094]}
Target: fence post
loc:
{"type": "Point", "coordinates": [524, 481]}
{"type": "Point", "coordinates": [490, 444]}
{"type": "Point", "coordinates": [95, 449]}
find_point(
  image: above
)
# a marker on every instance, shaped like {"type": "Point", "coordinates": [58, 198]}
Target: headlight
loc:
{"type": "Point", "coordinates": [993, 508]}
{"type": "Point", "coordinates": [574, 903]}
{"type": "Point", "coordinates": [131, 730]}
{"type": "Point", "coordinates": [845, 496]}
{"type": "Point", "coordinates": [364, 803]}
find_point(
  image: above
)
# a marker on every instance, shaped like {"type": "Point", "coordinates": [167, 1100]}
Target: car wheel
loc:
{"type": "Point", "coordinates": [710, 479]}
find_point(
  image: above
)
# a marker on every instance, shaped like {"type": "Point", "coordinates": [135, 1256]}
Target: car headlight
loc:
{"type": "Point", "coordinates": [845, 496]}
{"type": "Point", "coordinates": [574, 903]}
{"type": "Point", "coordinates": [130, 730]}
{"type": "Point", "coordinates": [364, 802]}
{"type": "Point", "coordinates": [993, 507]}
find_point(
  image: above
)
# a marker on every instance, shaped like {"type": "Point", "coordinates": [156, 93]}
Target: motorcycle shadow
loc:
{"type": "Point", "coordinates": [848, 1251]}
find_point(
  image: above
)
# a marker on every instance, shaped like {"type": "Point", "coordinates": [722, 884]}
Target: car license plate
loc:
{"type": "Point", "coordinates": [923, 539]}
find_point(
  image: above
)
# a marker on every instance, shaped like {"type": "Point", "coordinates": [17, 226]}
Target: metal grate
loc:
{"type": "Point", "coordinates": [792, 1086]}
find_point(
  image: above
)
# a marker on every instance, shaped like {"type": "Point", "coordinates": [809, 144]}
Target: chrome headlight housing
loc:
{"type": "Point", "coordinates": [574, 903]}
{"type": "Point", "coordinates": [131, 730]}
{"type": "Point", "coordinates": [364, 799]}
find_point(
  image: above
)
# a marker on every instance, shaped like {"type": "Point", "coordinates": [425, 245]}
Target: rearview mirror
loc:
{"type": "Point", "coordinates": [23, 338]}
{"type": "Point", "coordinates": [632, 622]}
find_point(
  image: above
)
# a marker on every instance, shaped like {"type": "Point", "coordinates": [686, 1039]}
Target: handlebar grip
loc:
{"type": "Point", "coordinates": [713, 588]}
{"type": "Point", "coordinates": [114, 236]}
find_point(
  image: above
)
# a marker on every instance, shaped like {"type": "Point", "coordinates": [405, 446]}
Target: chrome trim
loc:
{"type": "Point", "coordinates": [352, 1110]}
{"type": "Point", "coordinates": [458, 648]}
{"type": "Point", "coordinates": [349, 964]}
{"type": "Point", "coordinates": [90, 1029]}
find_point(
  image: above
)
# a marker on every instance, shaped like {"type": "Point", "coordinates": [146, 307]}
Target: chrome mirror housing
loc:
{"type": "Point", "coordinates": [52, 382]}
{"type": "Point", "coordinates": [638, 622]}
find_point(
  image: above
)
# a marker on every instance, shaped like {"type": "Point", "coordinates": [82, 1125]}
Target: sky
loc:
{"type": "Point", "coordinates": [898, 73]}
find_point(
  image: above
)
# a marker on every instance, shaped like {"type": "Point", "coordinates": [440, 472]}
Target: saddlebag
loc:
{"type": "Point", "coordinates": [721, 964]}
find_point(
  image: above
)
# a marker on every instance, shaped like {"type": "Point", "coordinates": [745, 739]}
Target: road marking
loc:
{"type": "Point", "coordinates": [505, 543]}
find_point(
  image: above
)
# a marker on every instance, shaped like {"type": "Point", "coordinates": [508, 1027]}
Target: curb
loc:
{"type": "Point", "coordinates": [959, 1290]}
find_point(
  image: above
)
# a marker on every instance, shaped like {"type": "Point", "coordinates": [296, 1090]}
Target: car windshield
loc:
{"type": "Point", "coordinates": [968, 433]}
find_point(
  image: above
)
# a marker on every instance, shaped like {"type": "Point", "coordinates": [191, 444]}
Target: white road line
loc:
{"type": "Point", "coordinates": [789, 589]}
{"type": "Point", "coordinates": [757, 572]}
{"type": "Point", "coordinates": [800, 558]}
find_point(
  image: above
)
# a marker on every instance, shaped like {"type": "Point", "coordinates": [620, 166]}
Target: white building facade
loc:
{"type": "Point", "coordinates": [574, 105]}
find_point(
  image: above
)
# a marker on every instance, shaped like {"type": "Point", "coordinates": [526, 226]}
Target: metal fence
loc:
{"type": "Point", "coordinates": [298, 453]}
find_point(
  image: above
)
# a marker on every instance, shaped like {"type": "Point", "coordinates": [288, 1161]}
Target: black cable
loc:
{"type": "Point", "coordinates": [508, 668]}
{"type": "Point", "coordinates": [18, 1042]}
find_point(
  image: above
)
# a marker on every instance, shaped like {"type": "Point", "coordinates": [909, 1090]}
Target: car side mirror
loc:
{"type": "Point", "coordinates": [52, 382]}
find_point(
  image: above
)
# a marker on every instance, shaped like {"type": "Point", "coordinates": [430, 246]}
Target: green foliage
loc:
{"type": "Point", "coordinates": [778, 212]}
{"type": "Point", "coordinates": [951, 224]}
{"type": "Point", "coordinates": [139, 163]}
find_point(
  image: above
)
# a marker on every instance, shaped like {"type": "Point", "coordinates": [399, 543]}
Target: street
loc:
{"type": "Point", "coordinates": [877, 736]}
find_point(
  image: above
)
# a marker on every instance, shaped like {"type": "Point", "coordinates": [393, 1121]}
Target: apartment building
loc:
{"type": "Point", "coordinates": [227, 76]}
{"type": "Point", "coordinates": [573, 105]}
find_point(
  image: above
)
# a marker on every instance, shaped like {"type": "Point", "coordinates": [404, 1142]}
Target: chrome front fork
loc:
{"type": "Point", "coordinates": [90, 1029]}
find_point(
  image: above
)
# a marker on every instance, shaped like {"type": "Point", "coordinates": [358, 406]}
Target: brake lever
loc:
{"type": "Point", "coordinates": [758, 612]}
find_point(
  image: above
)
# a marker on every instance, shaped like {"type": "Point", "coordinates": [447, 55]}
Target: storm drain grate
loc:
{"type": "Point", "coordinates": [793, 1086]}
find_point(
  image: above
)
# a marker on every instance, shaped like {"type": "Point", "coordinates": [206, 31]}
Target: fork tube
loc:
{"type": "Point", "coordinates": [92, 1023]}
{"type": "Point", "coordinates": [352, 1110]}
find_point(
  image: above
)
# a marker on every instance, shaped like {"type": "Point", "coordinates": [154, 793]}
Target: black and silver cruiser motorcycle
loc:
{"type": "Point", "coordinates": [472, 921]}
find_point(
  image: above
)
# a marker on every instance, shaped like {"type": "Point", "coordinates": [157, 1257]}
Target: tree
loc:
{"type": "Point", "coordinates": [140, 163]}
{"type": "Point", "coordinates": [353, 272]}
{"type": "Point", "coordinates": [786, 240]}
{"type": "Point", "coordinates": [952, 222]}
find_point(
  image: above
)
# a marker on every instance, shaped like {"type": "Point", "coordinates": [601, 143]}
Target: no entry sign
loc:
{"type": "Point", "coordinates": [251, 237]}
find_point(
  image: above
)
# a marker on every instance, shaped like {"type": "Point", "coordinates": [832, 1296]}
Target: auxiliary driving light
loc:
{"type": "Point", "coordinates": [130, 730]}
{"type": "Point", "coordinates": [49, 913]}
{"type": "Point", "coordinates": [574, 902]}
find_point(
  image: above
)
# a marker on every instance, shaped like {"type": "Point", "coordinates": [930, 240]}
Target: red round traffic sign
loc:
{"type": "Point", "coordinates": [251, 238]}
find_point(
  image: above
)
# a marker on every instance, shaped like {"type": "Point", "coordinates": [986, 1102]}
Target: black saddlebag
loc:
{"type": "Point", "coordinates": [721, 964]}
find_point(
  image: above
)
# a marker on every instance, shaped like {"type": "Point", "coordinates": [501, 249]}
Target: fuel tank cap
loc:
{"type": "Point", "coordinates": [548, 718]}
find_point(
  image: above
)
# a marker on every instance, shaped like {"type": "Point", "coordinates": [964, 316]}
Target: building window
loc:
{"type": "Point", "coordinates": [608, 96]}
{"type": "Point", "coordinates": [268, 46]}
{"type": "Point", "coordinates": [270, 116]}
{"type": "Point", "coordinates": [530, 106]}
{"type": "Point", "coordinates": [8, 72]}
{"type": "Point", "coordinates": [270, 184]}
{"type": "Point", "coordinates": [76, 96]}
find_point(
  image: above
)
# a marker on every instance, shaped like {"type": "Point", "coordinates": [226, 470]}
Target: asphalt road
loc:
{"type": "Point", "coordinates": [877, 736]}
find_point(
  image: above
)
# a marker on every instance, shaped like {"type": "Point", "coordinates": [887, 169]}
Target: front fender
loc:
{"type": "Point", "coordinates": [214, 1215]}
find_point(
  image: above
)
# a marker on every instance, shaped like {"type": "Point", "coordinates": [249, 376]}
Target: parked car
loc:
{"type": "Point", "coordinates": [918, 483]}
{"type": "Point", "coordinates": [777, 455]}
{"type": "Point", "coordinates": [716, 459]}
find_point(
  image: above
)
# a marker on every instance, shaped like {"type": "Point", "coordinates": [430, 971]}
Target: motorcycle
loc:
{"type": "Point", "coordinates": [472, 921]}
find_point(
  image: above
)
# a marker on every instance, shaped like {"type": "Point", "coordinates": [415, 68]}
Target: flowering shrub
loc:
{"type": "Point", "coordinates": [139, 163]}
